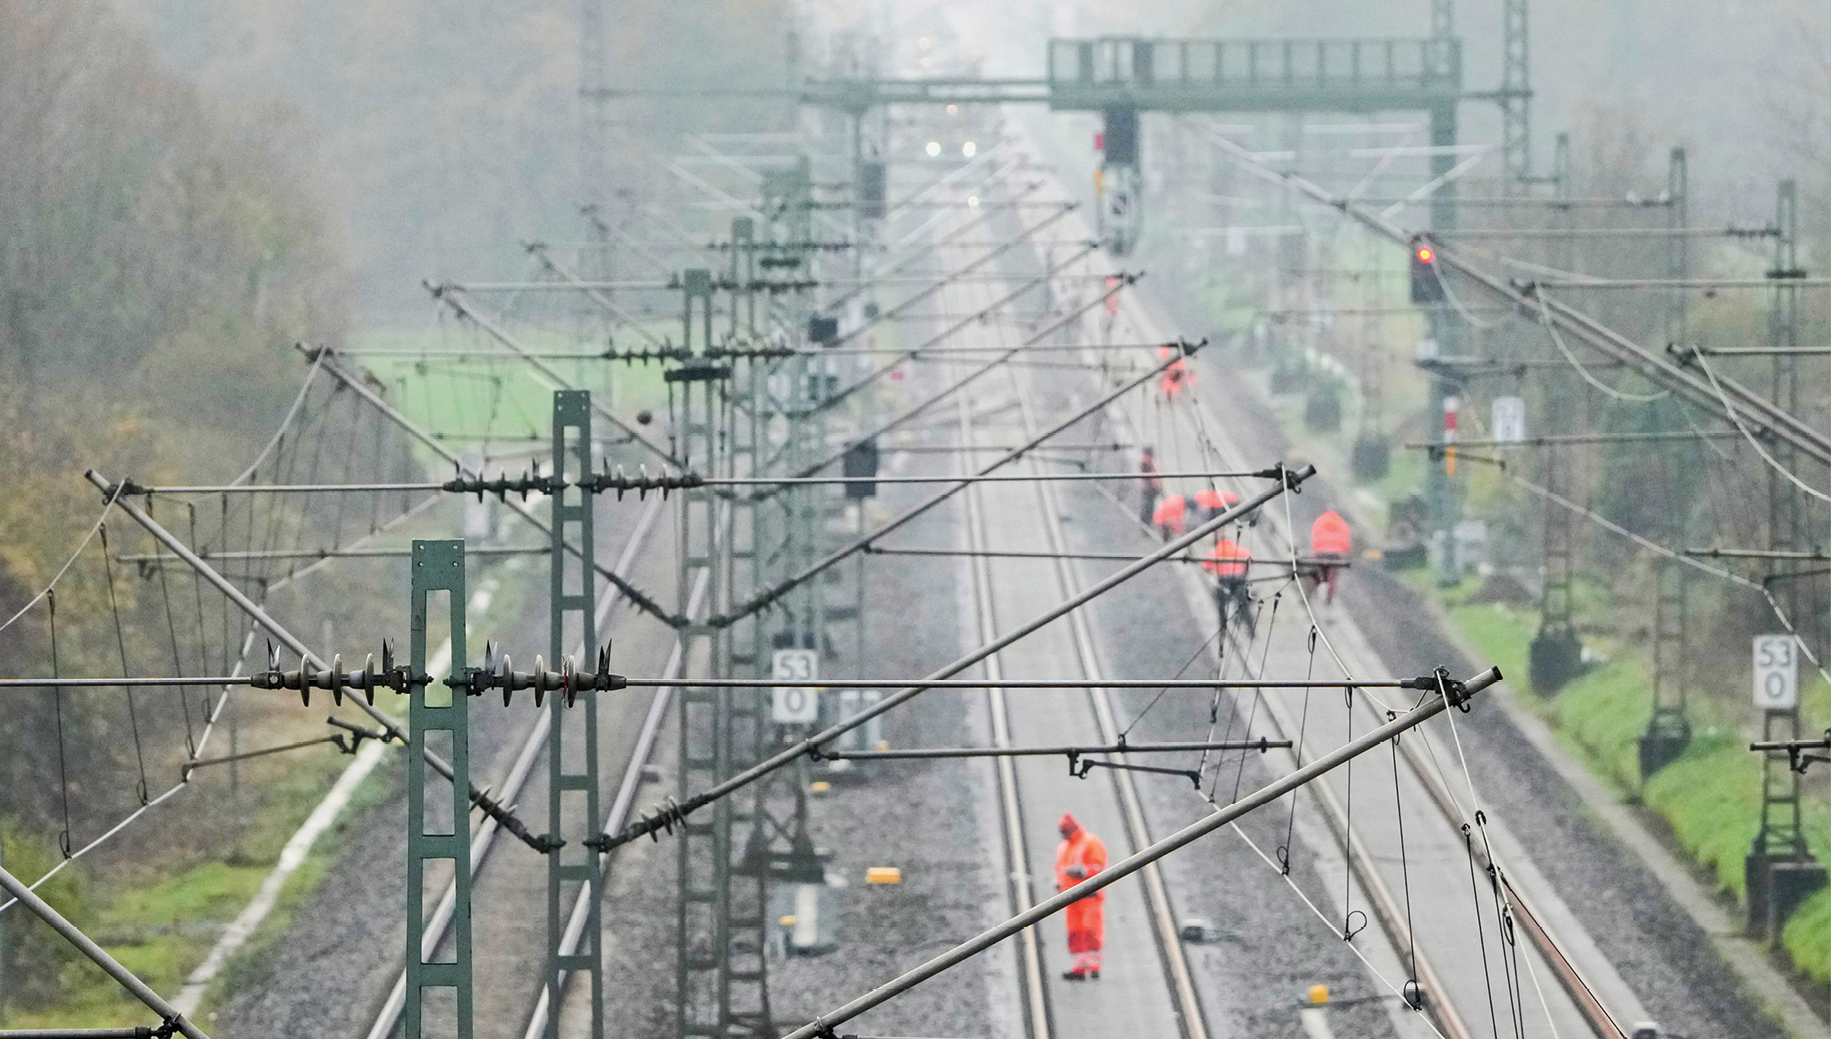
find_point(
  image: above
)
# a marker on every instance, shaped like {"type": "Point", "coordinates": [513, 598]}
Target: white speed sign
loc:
{"type": "Point", "coordinates": [1776, 673]}
{"type": "Point", "coordinates": [794, 704]}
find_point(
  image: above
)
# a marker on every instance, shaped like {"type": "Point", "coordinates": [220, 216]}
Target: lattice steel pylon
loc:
{"type": "Point", "coordinates": [1515, 97]}
{"type": "Point", "coordinates": [573, 828]}
{"type": "Point", "coordinates": [1669, 727]}
{"type": "Point", "coordinates": [796, 526]}
{"type": "Point", "coordinates": [1556, 651]}
{"type": "Point", "coordinates": [721, 973]}
{"type": "Point", "coordinates": [1780, 869]}
{"type": "Point", "coordinates": [438, 566]}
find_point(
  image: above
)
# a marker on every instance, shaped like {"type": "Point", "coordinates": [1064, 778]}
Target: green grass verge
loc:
{"type": "Point", "coordinates": [476, 400]}
{"type": "Point", "coordinates": [1710, 796]}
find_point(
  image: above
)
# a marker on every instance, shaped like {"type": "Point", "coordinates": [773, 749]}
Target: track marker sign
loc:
{"type": "Point", "coordinates": [1509, 420]}
{"type": "Point", "coordinates": [1776, 673]}
{"type": "Point", "coordinates": [795, 704]}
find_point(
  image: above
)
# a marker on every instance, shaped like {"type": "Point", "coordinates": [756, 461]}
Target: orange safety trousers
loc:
{"type": "Point", "coordinates": [1086, 932]}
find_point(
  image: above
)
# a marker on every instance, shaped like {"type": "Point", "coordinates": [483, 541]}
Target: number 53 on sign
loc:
{"type": "Point", "coordinates": [1776, 673]}
{"type": "Point", "coordinates": [793, 704]}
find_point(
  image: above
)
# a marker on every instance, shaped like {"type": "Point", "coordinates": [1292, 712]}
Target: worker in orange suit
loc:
{"type": "Point", "coordinates": [1210, 503]}
{"type": "Point", "coordinates": [1331, 544]}
{"type": "Point", "coordinates": [1229, 561]}
{"type": "Point", "coordinates": [1169, 515]}
{"type": "Point", "coordinates": [1080, 856]}
{"type": "Point", "coordinates": [1176, 376]}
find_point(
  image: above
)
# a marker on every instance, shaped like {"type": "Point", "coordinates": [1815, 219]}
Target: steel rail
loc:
{"type": "Point", "coordinates": [1020, 877]}
{"type": "Point", "coordinates": [824, 1024]}
{"type": "Point", "coordinates": [574, 930]}
{"type": "Point", "coordinates": [770, 594]}
{"type": "Point", "coordinates": [791, 754]}
{"type": "Point", "coordinates": [923, 754]}
{"type": "Point", "coordinates": [635, 595]}
{"type": "Point", "coordinates": [913, 254]}
{"type": "Point", "coordinates": [1179, 979]}
{"type": "Point", "coordinates": [168, 1014]}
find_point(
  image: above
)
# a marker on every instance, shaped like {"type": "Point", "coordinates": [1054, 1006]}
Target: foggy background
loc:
{"type": "Point", "coordinates": [450, 132]}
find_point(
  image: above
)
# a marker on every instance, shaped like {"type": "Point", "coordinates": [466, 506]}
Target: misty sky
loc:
{"type": "Point", "coordinates": [448, 133]}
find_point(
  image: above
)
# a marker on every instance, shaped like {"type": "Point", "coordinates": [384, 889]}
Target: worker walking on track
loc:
{"type": "Point", "coordinates": [1150, 486]}
{"type": "Point", "coordinates": [1229, 561]}
{"type": "Point", "coordinates": [1176, 376]}
{"type": "Point", "coordinates": [1080, 856]}
{"type": "Point", "coordinates": [1169, 515]}
{"type": "Point", "coordinates": [1210, 503]}
{"type": "Point", "coordinates": [1331, 545]}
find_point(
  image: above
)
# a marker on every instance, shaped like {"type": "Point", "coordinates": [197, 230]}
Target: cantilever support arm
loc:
{"type": "Point", "coordinates": [453, 297]}
{"type": "Point", "coordinates": [1125, 867]}
{"type": "Point", "coordinates": [1021, 238]}
{"type": "Point", "coordinates": [540, 252]}
{"type": "Point", "coordinates": [777, 590]}
{"type": "Point", "coordinates": [674, 813]}
{"type": "Point", "coordinates": [883, 369]}
{"type": "Point", "coordinates": [635, 595]}
{"type": "Point", "coordinates": [260, 617]}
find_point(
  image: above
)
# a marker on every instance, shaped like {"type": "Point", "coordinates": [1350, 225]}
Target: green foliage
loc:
{"type": "Point", "coordinates": [32, 956]}
{"type": "Point", "coordinates": [1807, 937]}
{"type": "Point", "coordinates": [1710, 796]}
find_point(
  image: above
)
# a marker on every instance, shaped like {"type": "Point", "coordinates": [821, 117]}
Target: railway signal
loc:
{"type": "Point", "coordinates": [1426, 282]}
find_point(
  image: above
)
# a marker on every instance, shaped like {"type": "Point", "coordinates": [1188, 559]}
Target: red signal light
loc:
{"type": "Point", "coordinates": [1425, 254]}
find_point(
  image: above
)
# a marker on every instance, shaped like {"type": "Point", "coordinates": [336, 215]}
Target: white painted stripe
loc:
{"type": "Point", "coordinates": [1315, 1023]}
{"type": "Point", "coordinates": [291, 858]}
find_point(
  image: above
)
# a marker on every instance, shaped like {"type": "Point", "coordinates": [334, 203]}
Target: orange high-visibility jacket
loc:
{"type": "Point", "coordinates": [1169, 512]}
{"type": "Point", "coordinates": [1083, 850]}
{"type": "Point", "coordinates": [1228, 558]}
{"type": "Point", "coordinates": [1215, 501]}
{"type": "Point", "coordinates": [1329, 535]}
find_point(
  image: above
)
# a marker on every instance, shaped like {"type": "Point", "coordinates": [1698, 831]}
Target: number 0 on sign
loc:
{"type": "Point", "coordinates": [793, 704]}
{"type": "Point", "coordinates": [1776, 673]}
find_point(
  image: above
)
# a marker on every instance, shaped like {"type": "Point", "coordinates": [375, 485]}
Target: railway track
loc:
{"type": "Point", "coordinates": [1552, 994]}
{"type": "Point", "coordinates": [1029, 833]}
{"type": "Point", "coordinates": [1564, 1006]}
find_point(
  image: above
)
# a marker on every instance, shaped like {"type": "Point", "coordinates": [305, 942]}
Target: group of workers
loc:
{"type": "Point", "coordinates": [1081, 854]}
{"type": "Point", "coordinates": [1331, 541]}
